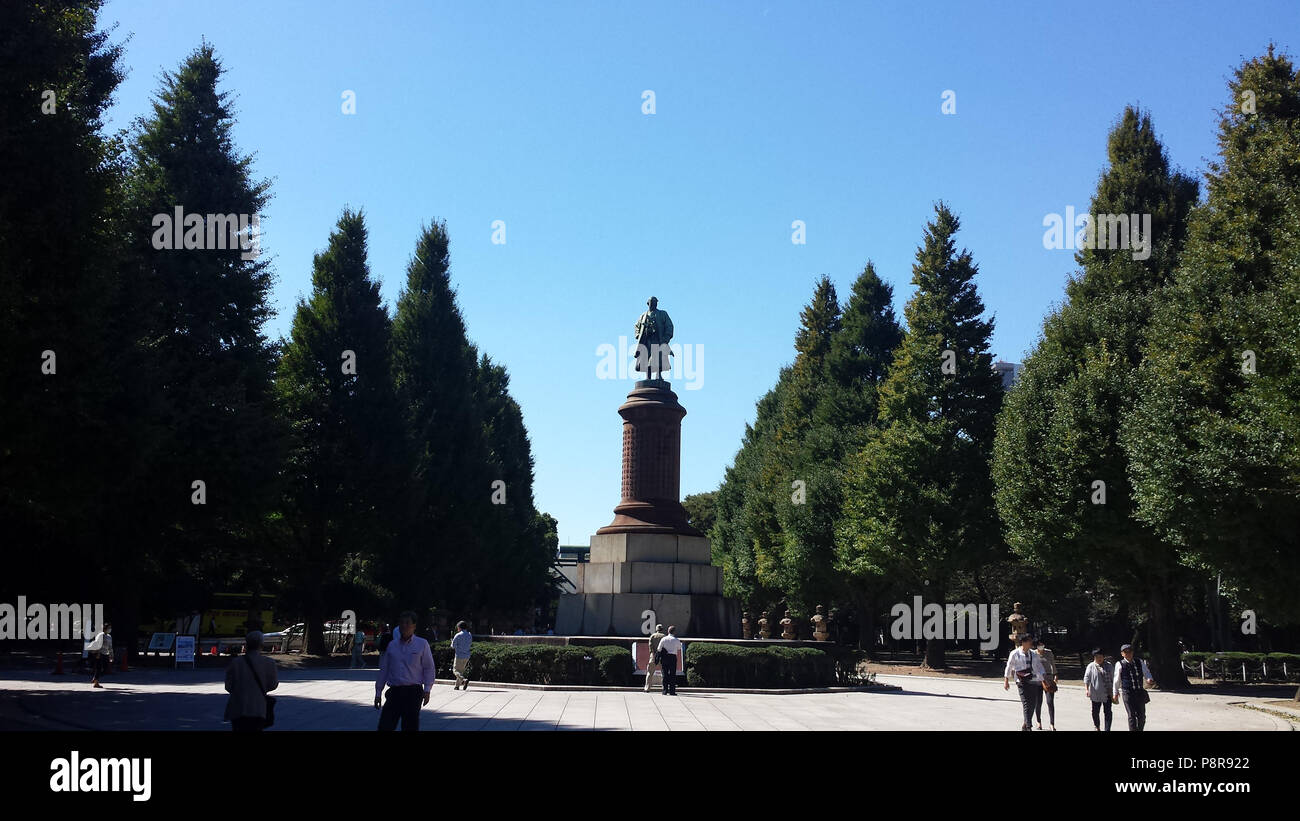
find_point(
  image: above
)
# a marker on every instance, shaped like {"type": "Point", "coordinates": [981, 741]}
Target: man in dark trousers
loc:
{"type": "Point", "coordinates": [668, 647]}
{"type": "Point", "coordinates": [407, 668]}
{"type": "Point", "coordinates": [1132, 677]}
{"type": "Point", "coordinates": [1026, 667]}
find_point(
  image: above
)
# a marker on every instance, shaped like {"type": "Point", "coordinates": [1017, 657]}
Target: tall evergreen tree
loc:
{"type": "Point", "coordinates": [440, 557]}
{"type": "Point", "coordinates": [1214, 440]}
{"type": "Point", "coordinates": [514, 533]}
{"type": "Point", "coordinates": [335, 386]}
{"type": "Point", "coordinates": [917, 498]}
{"type": "Point", "coordinates": [1058, 434]}
{"type": "Point", "coordinates": [861, 355]}
{"type": "Point", "coordinates": [863, 350]}
{"type": "Point", "coordinates": [201, 383]}
{"type": "Point", "coordinates": [62, 412]}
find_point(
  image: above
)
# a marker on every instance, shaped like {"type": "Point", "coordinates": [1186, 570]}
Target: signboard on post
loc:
{"type": "Point", "coordinates": [161, 642]}
{"type": "Point", "coordinates": [184, 651]}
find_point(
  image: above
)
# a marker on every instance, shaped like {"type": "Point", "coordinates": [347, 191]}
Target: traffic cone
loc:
{"type": "Point", "coordinates": [213, 651]}
{"type": "Point", "coordinates": [58, 665]}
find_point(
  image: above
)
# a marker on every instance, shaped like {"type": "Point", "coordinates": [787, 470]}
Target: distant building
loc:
{"type": "Point", "coordinates": [1009, 371]}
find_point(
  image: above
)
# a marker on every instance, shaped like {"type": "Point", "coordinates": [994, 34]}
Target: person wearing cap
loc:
{"type": "Point", "coordinates": [1026, 667]}
{"type": "Point", "coordinates": [652, 665]}
{"type": "Point", "coordinates": [1132, 677]}
{"type": "Point", "coordinates": [248, 680]}
{"type": "Point", "coordinates": [1096, 686]}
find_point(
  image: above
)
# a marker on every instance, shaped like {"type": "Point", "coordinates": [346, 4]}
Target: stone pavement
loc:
{"type": "Point", "coordinates": [343, 700]}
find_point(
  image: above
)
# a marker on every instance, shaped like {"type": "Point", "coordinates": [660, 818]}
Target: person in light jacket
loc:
{"type": "Point", "coordinates": [653, 665]}
{"type": "Point", "coordinates": [1096, 686]}
{"type": "Point", "coordinates": [248, 680]}
{"type": "Point", "coordinates": [100, 651]}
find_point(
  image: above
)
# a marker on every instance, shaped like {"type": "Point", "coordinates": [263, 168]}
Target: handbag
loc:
{"type": "Point", "coordinates": [270, 700]}
{"type": "Point", "coordinates": [1023, 676]}
{"type": "Point", "coordinates": [1049, 686]}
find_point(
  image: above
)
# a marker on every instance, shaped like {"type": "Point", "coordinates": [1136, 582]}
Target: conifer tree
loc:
{"type": "Point", "coordinates": [62, 367]}
{"type": "Point", "coordinates": [1214, 440]}
{"type": "Point", "coordinates": [335, 386]}
{"type": "Point", "coordinates": [1061, 474]}
{"type": "Point", "coordinates": [917, 497]}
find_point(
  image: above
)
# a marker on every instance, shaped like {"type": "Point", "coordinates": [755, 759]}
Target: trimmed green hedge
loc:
{"type": "Point", "coordinates": [727, 665]}
{"type": "Point", "coordinates": [707, 665]}
{"type": "Point", "coordinates": [613, 665]}
{"type": "Point", "coordinates": [607, 665]}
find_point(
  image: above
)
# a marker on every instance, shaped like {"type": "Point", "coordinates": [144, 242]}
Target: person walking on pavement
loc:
{"type": "Point", "coordinates": [668, 647]}
{"type": "Point", "coordinates": [1027, 668]}
{"type": "Point", "coordinates": [408, 670]}
{"type": "Point", "coordinates": [248, 680]}
{"type": "Point", "coordinates": [358, 648]}
{"type": "Point", "coordinates": [652, 665]}
{"type": "Point", "coordinates": [1096, 686]}
{"type": "Point", "coordinates": [1132, 677]}
{"type": "Point", "coordinates": [100, 652]}
{"type": "Point", "coordinates": [460, 644]}
{"type": "Point", "coordinates": [1050, 680]}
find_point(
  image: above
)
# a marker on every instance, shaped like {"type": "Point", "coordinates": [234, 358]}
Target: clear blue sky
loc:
{"type": "Point", "coordinates": [766, 113]}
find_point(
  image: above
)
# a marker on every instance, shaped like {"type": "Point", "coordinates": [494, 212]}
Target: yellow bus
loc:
{"type": "Point", "coordinates": [227, 614]}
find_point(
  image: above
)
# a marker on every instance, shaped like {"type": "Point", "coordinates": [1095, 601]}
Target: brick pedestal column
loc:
{"type": "Point", "coordinates": [652, 454]}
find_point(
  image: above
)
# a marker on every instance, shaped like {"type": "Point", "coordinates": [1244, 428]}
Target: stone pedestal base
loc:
{"type": "Point", "coordinates": [630, 573]}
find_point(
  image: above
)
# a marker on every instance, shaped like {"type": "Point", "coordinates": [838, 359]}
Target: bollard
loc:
{"type": "Point", "coordinates": [1202, 670]}
{"type": "Point", "coordinates": [58, 664]}
{"type": "Point", "coordinates": [1243, 671]}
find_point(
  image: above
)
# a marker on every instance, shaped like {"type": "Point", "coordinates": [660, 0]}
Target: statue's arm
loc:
{"type": "Point", "coordinates": [668, 328]}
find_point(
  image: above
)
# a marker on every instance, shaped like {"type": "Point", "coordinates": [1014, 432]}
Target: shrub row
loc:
{"type": "Point", "coordinates": [707, 665]}
{"type": "Point", "coordinates": [607, 665]}
{"type": "Point", "coordinates": [727, 665]}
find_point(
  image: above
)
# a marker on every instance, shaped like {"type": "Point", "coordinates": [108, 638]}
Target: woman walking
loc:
{"type": "Point", "coordinates": [100, 651]}
{"type": "Point", "coordinates": [1049, 686]}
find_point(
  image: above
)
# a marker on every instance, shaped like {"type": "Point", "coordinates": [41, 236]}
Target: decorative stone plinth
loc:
{"type": "Point", "coordinates": [630, 573]}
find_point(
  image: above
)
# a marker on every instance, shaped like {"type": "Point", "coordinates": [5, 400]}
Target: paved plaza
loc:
{"type": "Point", "coordinates": [343, 700]}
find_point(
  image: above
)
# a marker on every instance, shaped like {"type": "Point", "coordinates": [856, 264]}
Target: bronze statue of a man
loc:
{"type": "Point", "coordinates": [654, 330]}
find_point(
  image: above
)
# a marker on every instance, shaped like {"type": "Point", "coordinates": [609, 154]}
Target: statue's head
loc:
{"type": "Point", "coordinates": [653, 302]}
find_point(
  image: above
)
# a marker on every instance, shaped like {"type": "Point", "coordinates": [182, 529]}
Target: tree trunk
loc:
{"type": "Point", "coordinates": [866, 624]}
{"type": "Point", "coordinates": [1163, 655]}
{"type": "Point", "coordinates": [934, 655]}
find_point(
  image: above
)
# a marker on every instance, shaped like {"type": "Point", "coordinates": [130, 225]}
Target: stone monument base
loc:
{"type": "Point", "coordinates": [630, 573]}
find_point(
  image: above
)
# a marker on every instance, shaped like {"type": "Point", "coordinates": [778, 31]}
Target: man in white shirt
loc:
{"type": "Point", "coordinates": [669, 645]}
{"type": "Point", "coordinates": [1026, 667]}
{"type": "Point", "coordinates": [407, 668]}
{"type": "Point", "coordinates": [1132, 677]}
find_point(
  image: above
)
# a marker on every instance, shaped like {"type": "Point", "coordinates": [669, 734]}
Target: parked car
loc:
{"type": "Point", "coordinates": [286, 640]}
